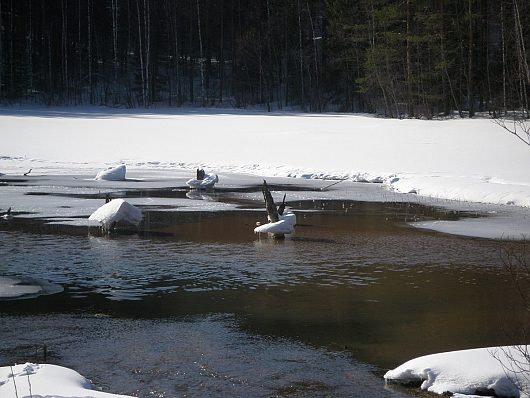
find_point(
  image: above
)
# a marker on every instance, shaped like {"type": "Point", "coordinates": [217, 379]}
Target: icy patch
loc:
{"type": "Point", "coordinates": [115, 211]}
{"type": "Point", "coordinates": [507, 223]}
{"type": "Point", "coordinates": [15, 288]}
{"type": "Point", "coordinates": [43, 380]}
{"type": "Point", "coordinates": [467, 372]}
{"type": "Point", "coordinates": [113, 173]}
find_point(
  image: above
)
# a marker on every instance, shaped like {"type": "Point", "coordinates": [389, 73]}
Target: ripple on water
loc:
{"type": "Point", "coordinates": [127, 268]}
{"type": "Point", "coordinates": [197, 356]}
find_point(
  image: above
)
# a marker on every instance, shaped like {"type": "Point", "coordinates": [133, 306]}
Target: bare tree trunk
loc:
{"type": "Point", "coordinates": [317, 79]}
{"type": "Point", "coordinates": [89, 17]}
{"type": "Point", "coordinates": [520, 39]}
{"type": "Point", "coordinates": [140, 51]}
{"type": "Point", "coordinates": [114, 9]}
{"type": "Point", "coordinates": [29, 51]}
{"type": "Point", "coordinates": [470, 98]}
{"type": "Point", "coordinates": [11, 54]}
{"type": "Point", "coordinates": [177, 61]}
{"type": "Point", "coordinates": [64, 47]}
{"type": "Point", "coordinates": [503, 61]}
{"type": "Point", "coordinates": [409, 71]}
{"type": "Point", "coordinates": [147, 29]}
{"type": "Point", "coordinates": [300, 50]}
{"type": "Point", "coordinates": [1, 53]}
{"type": "Point", "coordinates": [201, 61]}
{"type": "Point", "coordinates": [80, 72]}
{"type": "Point", "coordinates": [222, 56]}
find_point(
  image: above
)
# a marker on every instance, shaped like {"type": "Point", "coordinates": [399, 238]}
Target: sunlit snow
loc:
{"type": "Point", "coordinates": [284, 226]}
{"type": "Point", "coordinates": [45, 380]}
{"type": "Point", "coordinates": [117, 210]}
{"type": "Point", "coordinates": [498, 371]}
{"type": "Point", "coordinates": [113, 173]}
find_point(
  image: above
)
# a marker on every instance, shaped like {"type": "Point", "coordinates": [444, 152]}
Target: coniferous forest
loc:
{"type": "Point", "coordinates": [408, 58]}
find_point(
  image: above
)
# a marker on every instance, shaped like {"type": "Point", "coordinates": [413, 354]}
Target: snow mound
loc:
{"type": "Point", "coordinates": [207, 183]}
{"type": "Point", "coordinates": [491, 371]}
{"type": "Point", "coordinates": [43, 380]}
{"type": "Point", "coordinates": [112, 173]}
{"type": "Point", "coordinates": [117, 210]}
{"type": "Point", "coordinates": [284, 226]}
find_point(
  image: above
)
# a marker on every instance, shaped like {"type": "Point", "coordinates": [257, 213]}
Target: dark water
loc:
{"type": "Point", "coordinates": [197, 305]}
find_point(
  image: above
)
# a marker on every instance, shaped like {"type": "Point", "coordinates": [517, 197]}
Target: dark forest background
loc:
{"type": "Point", "coordinates": [409, 58]}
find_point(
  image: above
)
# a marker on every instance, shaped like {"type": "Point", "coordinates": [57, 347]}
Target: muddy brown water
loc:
{"type": "Point", "coordinates": [197, 305]}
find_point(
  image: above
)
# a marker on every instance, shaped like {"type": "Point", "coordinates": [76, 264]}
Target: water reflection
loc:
{"type": "Point", "coordinates": [353, 280]}
{"type": "Point", "coordinates": [206, 356]}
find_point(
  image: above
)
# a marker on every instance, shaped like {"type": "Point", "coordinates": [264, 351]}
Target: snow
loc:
{"type": "Point", "coordinates": [461, 159]}
{"type": "Point", "coordinates": [44, 380]}
{"type": "Point", "coordinates": [208, 182]}
{"type": "Point", "coordinates": [284, 226]}
{"type": "Point", "coordinates": [115, 211]}
{"type": "Point", "coordinates": [113, 173]}
{"type": "Point", "coordinates": [468, 372]}
{"type": "Point", "coordinates": [468, 161]}
{"type": "Point", "coordinates": [472, 162]}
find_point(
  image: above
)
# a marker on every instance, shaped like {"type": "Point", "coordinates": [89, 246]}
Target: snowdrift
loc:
{"type": "Point", "coordinates": [479, 371]}
{"type": "Point", "coordinates": [284, 226]}
{"type": "Point", "coordinates": [117, 210]}
{"type": "Point", "coordinates": [43, 380]}
{"type": "Point", "coordinates": [113, 173]}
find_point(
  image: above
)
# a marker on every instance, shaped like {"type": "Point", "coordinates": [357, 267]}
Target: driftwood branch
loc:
{"type": "Point", "coordinates": [272, 212]}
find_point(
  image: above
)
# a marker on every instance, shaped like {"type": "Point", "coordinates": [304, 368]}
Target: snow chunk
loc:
{"type": "Point", "coordinates": [45, 380]}
{"type": "Point", "coordinates": [467, 372]}
{"type": "Point", "coordinates": [207, 183]}
{"type": "Point", "coordinates": [16, 288]}
{"type": "Point", "coordinates": [11, 287]}
{"type": "Point", "coordinates": [284, 226]}
{"type": "Point", "coordinates": [112, 173]}
{"type": "Point", "coordinates": [117, 210]}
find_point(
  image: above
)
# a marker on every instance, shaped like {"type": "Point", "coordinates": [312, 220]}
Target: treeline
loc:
{"type": "Point", "coordinates": [407, 58]}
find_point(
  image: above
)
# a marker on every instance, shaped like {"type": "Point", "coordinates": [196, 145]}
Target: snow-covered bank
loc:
{"type": "Point", "coordinates": [468, 160]}
{"type": "Point", "coordinates": [494, 371]}
{"type": "Point", "coordinates": [43, 380]}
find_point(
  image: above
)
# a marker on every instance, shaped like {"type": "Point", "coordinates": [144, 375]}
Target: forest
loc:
{"type": "Point", "coordinates": [408, 58]}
